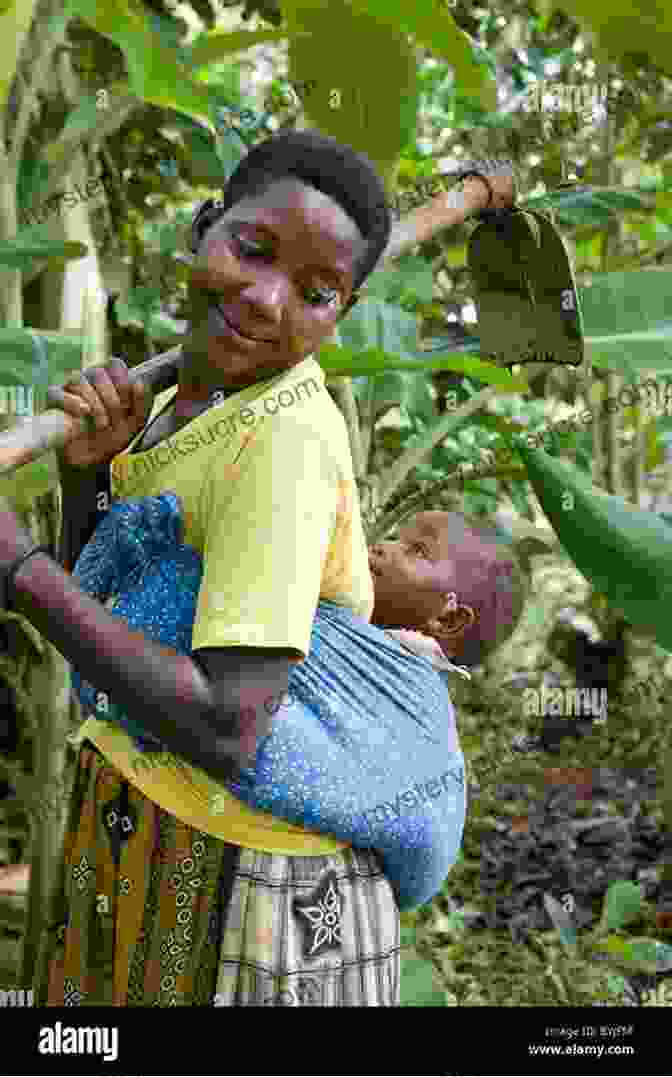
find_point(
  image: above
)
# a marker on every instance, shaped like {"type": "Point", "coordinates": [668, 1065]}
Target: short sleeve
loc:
{"type": "Point", "coordinates": [268, 526]}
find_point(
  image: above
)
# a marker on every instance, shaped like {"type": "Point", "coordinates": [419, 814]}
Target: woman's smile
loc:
{"type": "Point", "coordinates": [232, 330]}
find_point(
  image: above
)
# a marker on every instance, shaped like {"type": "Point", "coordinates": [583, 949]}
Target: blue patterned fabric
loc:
{"type": "Point", "coordinates": [365, 747]}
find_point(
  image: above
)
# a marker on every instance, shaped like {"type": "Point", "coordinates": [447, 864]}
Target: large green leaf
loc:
{"type": "Point", "coordinates": [156, 71]}
{"type": "Point", "coordinates": [625, 552]}
{"type": "Point", "coordinates": [410, 392]}
{"type": "Point", "coordinates": [205, 160]}
{"type": "Point", "coordinates": [369, 105]}
{"type": "Point", "coordinates": [352, 363]}
{"type": "Point", "coordinates": [627, 319]}
{"type": "Point", "coordinates": [376, 324]}
{"type": "Point", "coordinates": [434, 27]}
{"type": "Point", "coordinates": [230, 151]}
{"type": "Point", "coordinates": [411, 276]}
{"type": "Point", "coordinates": [588, 206]}
{"type": "Point", "coordinates": [35, 357]}
{"type": "Point", "coordinates": [27, 248]}
{"type": "Point", "coordinates": [648, 348]}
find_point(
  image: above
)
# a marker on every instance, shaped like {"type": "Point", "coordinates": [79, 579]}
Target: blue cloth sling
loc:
{"type": "Point", "coordinates": [362, 751]}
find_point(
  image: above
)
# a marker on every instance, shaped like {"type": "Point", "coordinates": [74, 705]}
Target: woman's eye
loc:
{"type": "Point", "coordinates": [320, 296]}
{"type": "Point", "coordinates": [251, 250]}
{"type": "Point", "coordinates": [314, 296]}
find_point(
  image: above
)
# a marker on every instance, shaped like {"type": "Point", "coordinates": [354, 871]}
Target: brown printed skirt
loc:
{"type": "Point", "coordinates": [148, 911]}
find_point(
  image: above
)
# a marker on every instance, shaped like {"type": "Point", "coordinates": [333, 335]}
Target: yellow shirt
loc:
{"type": "Point", "coordinates": [270, 502]}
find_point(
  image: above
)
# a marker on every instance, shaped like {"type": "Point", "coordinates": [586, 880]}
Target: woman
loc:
{"type": "Point", "coordinates": [156, 905]}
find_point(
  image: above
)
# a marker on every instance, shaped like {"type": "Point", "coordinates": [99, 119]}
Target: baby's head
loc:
{"type": "Point", "coordinates": [450, 578]}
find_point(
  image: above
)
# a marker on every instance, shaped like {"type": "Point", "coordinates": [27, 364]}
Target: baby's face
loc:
{"type": "Point", "coordinates": [413, 576]}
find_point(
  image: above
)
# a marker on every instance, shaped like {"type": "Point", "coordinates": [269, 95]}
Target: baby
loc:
{"type": "Point", "coordinates": [452, 582]}
{"type": "Point", "coordinates": [368, 749]}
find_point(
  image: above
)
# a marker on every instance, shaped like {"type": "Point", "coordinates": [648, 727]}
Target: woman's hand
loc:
{"type": "Point", "coordinates": [451, 208]}
{"type": "Point", "coordinates": [117, 407]}
{"type": "Point", "coordinates": [502, 177]}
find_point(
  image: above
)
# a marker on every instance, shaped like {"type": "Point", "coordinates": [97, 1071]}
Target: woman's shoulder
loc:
{"type": "Point", "coordinates": [293, 417]}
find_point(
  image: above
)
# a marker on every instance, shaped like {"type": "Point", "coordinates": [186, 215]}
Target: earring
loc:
{"type": "Point", "coordinates": [463, 618]}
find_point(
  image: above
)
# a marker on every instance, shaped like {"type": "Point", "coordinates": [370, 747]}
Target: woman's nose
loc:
{"type": "Point", "coordinates": [267, 297]}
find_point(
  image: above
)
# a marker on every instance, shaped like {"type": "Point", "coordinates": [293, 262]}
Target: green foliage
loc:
{"type": "Point", "coordinates": [626, 315]}
{"type": "Point", "coordinates": [29, 482]}
{"type": "Point", "coordinates": [351, 100]}
{"type": "Point", "coordinates": [592, 207]}
{"type": "Point", "coordinates": [157, 73]}
{"type": "Point", "coordinates": [435, 28]}
{"type": "Point", "coordinates": [418, 978]}
{"type": "Point", "coordinates": [635, 955]}
{"type": "Point", "coordinates": [627, 320]}
{"type": "Point", "coordinates": [210, 159]}
{"type": "Point", "coordinates": [418, 984]}
{"type": "Point", "coordinates": [622, 904]}
{"type": "Point", "coordinates": [80, 123]}
{"type": "Point", "coordinates": [38, 358]}
{"type": "Point", "coordinates": [215, 46]}
{"type": "Point", "coordinates": [142, 308]}
{"type": "Point", "coordinates": [603, 534]}
{"type": "Point", "coordinates": [411, 278]}
{"type": "Point", "coordinates": [373, 323]}
{"type": "Point", "coordinates": [624, 30]}
{"type": "Point", "coordinates": [30, 246]}
{"type": "Point", "coordinates": [376, 335]}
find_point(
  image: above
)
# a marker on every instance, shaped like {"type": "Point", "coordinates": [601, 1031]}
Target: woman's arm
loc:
{"type": "Point", "coordinates": [194, 707]}
{"type": "Point", "coordinates": [447, 210]}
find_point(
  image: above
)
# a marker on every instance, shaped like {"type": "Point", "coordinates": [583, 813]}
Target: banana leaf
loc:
{"type": "Point", "coordinates": [624, 551]}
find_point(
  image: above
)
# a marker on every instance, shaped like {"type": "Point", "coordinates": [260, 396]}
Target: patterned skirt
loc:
{"type": "Point", "coordinates": [148, 911]}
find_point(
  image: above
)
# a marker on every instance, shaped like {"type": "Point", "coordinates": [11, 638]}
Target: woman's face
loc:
{"type": "Point", "coordinates": [279, 271]}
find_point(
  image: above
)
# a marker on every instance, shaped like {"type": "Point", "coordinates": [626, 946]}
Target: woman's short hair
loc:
{"type": "Point", "coordinates": [340, 172]}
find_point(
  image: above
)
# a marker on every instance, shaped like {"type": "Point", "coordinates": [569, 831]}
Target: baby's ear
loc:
{"type": "Point", "coordinates": [454, 621]}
